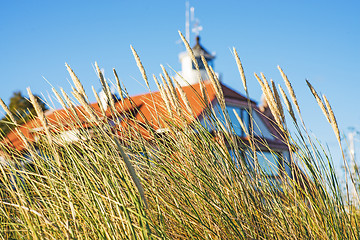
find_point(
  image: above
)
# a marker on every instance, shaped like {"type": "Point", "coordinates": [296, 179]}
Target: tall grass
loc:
{"type": "Point", "coordinates": [115, 182]}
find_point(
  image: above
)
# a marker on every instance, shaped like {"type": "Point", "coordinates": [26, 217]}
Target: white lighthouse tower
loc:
{"type": "Point", "coordinates": [189, 74]}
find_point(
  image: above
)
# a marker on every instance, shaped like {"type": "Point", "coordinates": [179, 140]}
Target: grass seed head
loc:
{"type": "Point", "coordinates": [333, 121]}
{"type": "Point", "coordinates": [184, 97]}
{"type": "Point", "coordinates": [7, 110]}
{"type": "Point", "coordinates": [241, 123]}
{"type": "Point", "coordinates": [118, 85]}
{"type": "Point", "coordinates": [241, 70]}
{"type": "Point", "coordinates": [318, 100]}
{"type": "Point", "coordinates": [60, 99]}
{"type": "Point", "coordinates": [99, 102]}
{"type": "Point", "coordinates": [86, 106]}
{"type": "Point", "coordinates": [269, 98]}
{"type": "Point", "coordinates": [278, 101]}
{"type": "Point", "coordinates": [290, 90]}
{"type": "Point", "coordinates": [287, 103]}
{"type": "Point", "coordinates": [76, 81]}
{"type": "Point", "coordinates": [190, 51]}
{"type": "Point", "coordinates": [140, 66]}
{"type": "Point", "coordinates": [41, 115]}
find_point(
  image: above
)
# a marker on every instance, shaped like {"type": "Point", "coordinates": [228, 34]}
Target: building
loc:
{"type": "Point", "coordinates": [265, 131]}
{"type": "Point", "coordinates": [272, 154]}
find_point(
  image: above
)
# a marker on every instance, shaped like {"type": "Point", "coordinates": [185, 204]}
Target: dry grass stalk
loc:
{"type": "Point", "coordinates": [140, 66]}
{"type": "Point", "coordinates": [8, 112]}
{"type": "Point", "coordinates": [269, 98]}
{"type": "Point", "coordinates": [250, 111]}
{"type": "Point", "coordinates": [267, 87]}
{"type": "Point", "coordinates": [99, 102]}
{"type": "Point", "coordinates": [132, 172]}
{"type": "Point", "coordinates": [208, 71]}
{"type": "Point", "coordinates": [182, 78]}
{"type": "Point", "coordinates": [216, 79]}
{"type": "Point", "coordinates": [336, 130]}
{"type": "Point", "coordinates": [241, 123]}
{"type": "Point", "coordinates": [40, 114]}
{"type": "Point", "coordinates": [241, 70]}
{"type": "Point", "coordinates": [154, 104]}
{"type": "Point", "coordinates": [287, 103]}
{"type": "Point", "coordinates": [168, 79]}
{"type": "Point", "coordinates": [184, 98]}
{"type": "Point", "coordinates": [76, 81]}
{"type": "Point", "coordinates": [278, 101]}
{"type": "Point", "coordinates": [86, 106]}
{"type": "Point", "coordinates": [118, 85]}
{"type": "Point", "coordinates": [44, 122]}
{"type": "Point", "coordinates": [332, 118]}
{"type": "Point", "coordinates": [124, 88]}
{"type": "Point", "coordinates": [218, 88]}
{"type": "Point", "coordinates": [166, 100]}
{"type": "Point", "coordinates": [28, 210]}
{"type": "Point", "coordinates": [60, 99]}
{"type": "Point", "coordinates": [68, 102]}
{"type": "Point", "coordinates": [269, 95]}
{"type": "Point", "coordinates": [106, 88]}
{"type": "Point", "coordinates": [290, 89]}
{"type": "Point", "coordinates": [213, 78]}
{"type": "Point", "coordinates": [190, 51]}
{"type": "Point", "coordinates": [163, 95]}
{"type": "Point", "coordinates": [171, 87]}
{"type": "Point", "coordinates": [318, 100]}
{"type": "Point", "coordinates": [203, 93]}
{"type": "Point", "coordinates": [183, 174]}
{"type": "Point", "coordinates": [167, 91]}
{"type": "Point", "coordinates": [101, 77]}
{"type": "Point", "coordinates": [103, 82]}
{"type": "Point", "coordinates": [156, 81]}
{"type": "Point", "coordinates": [262, 85]}
{"type": "Point", "coordinates": [111, 99]}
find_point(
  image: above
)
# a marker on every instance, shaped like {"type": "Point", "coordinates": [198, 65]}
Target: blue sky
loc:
{"type": "Point", "coordinates": [314, 40]}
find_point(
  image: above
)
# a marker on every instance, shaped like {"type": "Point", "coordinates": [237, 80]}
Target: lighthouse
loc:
{"type": "Point", "coordinates": [189, 75]}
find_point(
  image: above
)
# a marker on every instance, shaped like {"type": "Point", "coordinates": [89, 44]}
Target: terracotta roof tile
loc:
{"type": "Point", "coordinates": [145, 107]}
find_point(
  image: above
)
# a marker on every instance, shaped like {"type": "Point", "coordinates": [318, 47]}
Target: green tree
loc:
{"type": "Point", "coordinates": [22, 110]}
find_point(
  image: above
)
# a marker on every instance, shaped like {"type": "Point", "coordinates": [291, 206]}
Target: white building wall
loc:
{"type": "Point", "coordinates": [189, 76]}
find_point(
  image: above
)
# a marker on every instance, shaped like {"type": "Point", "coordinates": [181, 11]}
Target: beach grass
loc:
{"type": "Point", "coordinates": [184, 183]}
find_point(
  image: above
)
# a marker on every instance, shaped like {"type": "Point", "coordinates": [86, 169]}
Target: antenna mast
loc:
{"type": "Point", "coordinates": [353, 166]}
{"type": "Point", "coordinates": [187, 22]}
{"type": "Point", "coordinates": [196, 25]}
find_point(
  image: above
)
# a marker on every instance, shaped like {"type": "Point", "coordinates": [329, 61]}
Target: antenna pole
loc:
{"type": "Point", "coordinates": [353, 170]}
{"type": "Point", "coordinates": [187, 22]}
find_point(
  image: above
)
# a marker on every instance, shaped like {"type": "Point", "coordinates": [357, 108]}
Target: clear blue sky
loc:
{"type": "Point", "coordinates": [316, 40]}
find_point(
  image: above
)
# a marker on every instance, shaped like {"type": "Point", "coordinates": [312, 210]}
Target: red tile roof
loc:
{"type": "Point", "coordinates": [146, 105]}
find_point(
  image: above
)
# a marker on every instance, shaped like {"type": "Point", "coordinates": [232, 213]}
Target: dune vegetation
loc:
{"type": "Point", "coordinates": [115, 182]}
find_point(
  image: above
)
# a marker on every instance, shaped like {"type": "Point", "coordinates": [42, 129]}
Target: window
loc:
{"type": "Point", "coordinates": [243, 114]}
{"type": "Point", "coordinates": [260, 129]}
{"type": "Point", "coordinates": [201, 64]}
{"type": "Point", "coordinates": [233, 119]}
{"type": "Point", "coordinates": [287, 162]}
{"type": "Point", "coordinates": [269, 162]}
{"type": "Point", "coordinates": [246, 119]}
